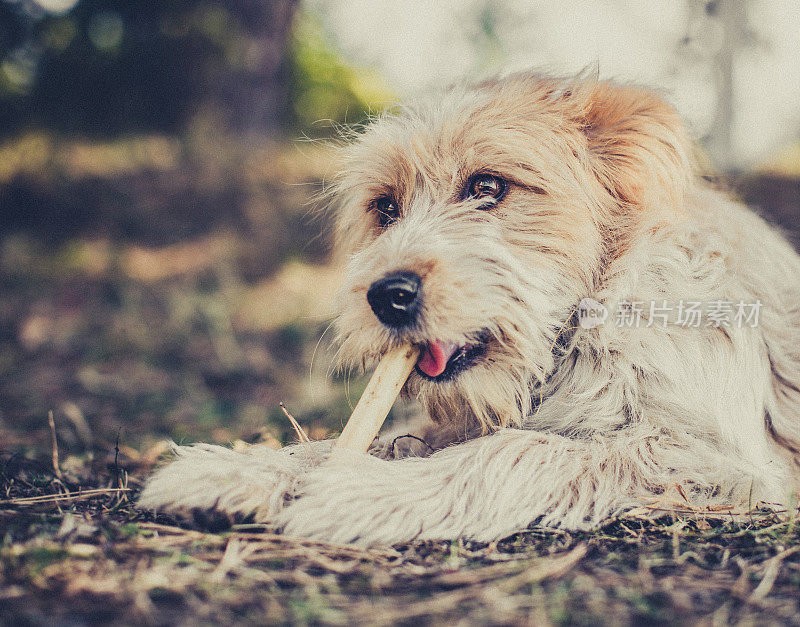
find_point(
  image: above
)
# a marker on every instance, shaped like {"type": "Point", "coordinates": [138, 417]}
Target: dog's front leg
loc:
{"type": "Point", "coordinates": [490, 487]}
{"type": "Point", "coordinates": [213, 486]}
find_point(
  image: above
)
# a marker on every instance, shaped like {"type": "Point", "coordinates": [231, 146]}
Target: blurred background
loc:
{"type": "Point", "coordinates": [163, 271]}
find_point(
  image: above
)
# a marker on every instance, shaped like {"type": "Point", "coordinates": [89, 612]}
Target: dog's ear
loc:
{"type": "Point", "coordinates": [639, 147]}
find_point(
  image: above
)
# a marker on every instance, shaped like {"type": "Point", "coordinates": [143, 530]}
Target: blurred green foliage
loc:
{"type": "Point", "coordinates": [324, 88]}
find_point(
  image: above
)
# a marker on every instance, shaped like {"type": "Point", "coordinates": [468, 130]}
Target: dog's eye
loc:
{"type": "Point", "coordinates": [488, 186]}
{"type": "Point", "coordinates": [387, 210]}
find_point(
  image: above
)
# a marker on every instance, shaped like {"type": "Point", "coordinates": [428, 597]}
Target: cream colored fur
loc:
{"type": "Point", "coordinates": [557, 425]}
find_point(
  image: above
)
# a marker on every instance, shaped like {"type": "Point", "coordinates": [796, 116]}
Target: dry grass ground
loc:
{"type": "Point", "coordinates": [155, 288]}
{"type": "Point", "coordinates": [75, 551]}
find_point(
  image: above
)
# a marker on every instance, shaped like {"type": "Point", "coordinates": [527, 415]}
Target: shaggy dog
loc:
{"type": "Point", "coordinates": [544, 241]}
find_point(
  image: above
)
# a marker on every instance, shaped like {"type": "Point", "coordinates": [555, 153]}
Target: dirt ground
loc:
{"type": "Point", "coordinates": [75, 551]}
{"type": "Point", "coordinates": [152, 290]}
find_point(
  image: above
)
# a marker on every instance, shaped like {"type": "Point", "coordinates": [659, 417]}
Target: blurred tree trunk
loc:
{"type": "Point", "coordinates": [717, 33]}
{"type": "Point", "coordinates": [256, 98]}
{"type": "Point", "coordinates": [732, 15]}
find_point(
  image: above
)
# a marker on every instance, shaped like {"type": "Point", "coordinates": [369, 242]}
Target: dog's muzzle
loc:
{"type": "Point", "coordinates": [395, 299]}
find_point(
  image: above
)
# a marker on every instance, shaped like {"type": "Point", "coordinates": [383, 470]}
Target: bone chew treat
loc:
{"type": "Point", "coordinates": [378, 398]}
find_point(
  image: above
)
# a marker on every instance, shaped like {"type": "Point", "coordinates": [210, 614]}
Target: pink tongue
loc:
{"type": "Point", "coordinates": [434, 356]}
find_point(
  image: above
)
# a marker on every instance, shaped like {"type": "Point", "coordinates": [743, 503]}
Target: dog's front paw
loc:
{"type": "Point", "coordinates": [213, 486]}
{"type": "Point", "coordinates": [356, 497]}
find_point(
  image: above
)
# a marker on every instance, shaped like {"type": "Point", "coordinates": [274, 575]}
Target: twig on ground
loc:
{"type": "Point", "coordinates": [67, 496]}
{"type": "Point", "coordinates": [54, 441]}
{"type": "Point", "coordinates": [116, 451]}
{"type": "Point", "coordinates": [772, 568]}
{"type": "Point", "coordinates": [301, 434]}
{"type": "Point", "coordinates": [231, 558]}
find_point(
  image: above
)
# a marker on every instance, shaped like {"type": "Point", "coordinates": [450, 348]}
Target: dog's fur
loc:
{"type": "Point", "coordinates": [556, 425]}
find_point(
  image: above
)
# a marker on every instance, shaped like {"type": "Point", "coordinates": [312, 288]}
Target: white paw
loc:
{"type": "Point", "coordinates": [205, 481]}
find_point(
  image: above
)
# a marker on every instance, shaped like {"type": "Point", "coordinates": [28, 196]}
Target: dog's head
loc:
{"type": "Point", "coordinates": [475, 224]}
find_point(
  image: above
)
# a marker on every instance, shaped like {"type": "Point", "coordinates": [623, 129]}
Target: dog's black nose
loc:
{"type": "Point", "coordinates": [395, 299]}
